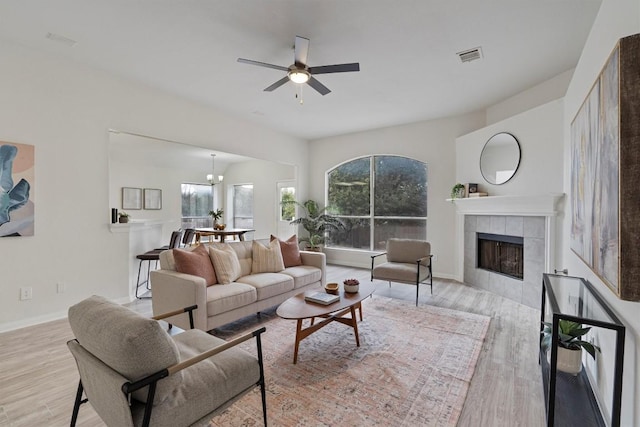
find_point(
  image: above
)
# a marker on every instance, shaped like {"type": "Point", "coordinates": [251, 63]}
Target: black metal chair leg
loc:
{"type": "Point", "coordinates": [263, 391]}
{"type": "Point", "coordinates": [76, 405]}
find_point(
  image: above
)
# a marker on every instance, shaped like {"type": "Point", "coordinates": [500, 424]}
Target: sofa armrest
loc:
{"type": "Point", "coordinates": [315, 259]}
{"type": "Point", "coordinates": [172, 291]}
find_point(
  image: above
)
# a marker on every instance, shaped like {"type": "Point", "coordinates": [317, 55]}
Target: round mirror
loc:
{"type": "Point", "coordinates": [500, 158]}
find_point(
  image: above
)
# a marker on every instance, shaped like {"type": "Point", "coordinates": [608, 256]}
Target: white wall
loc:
{"type": "Point", "coordinates": [264, 176]}
{"type": "Point", "coordinates": [539, 132]}
{"type": "Point", "coordinates": [429, 141]}
{"type": "Point", "coordinates": [547, 91]}
{"type": "Point", "coordinates": [616, 19]}
{"type": "Point", "coordinates": [65, 110]}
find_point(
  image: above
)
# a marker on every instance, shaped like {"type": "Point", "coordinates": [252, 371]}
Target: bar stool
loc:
{"type": "Point", "coordinates": [149, 256]}
{"type": "Point", "coordinates": [154, 255]}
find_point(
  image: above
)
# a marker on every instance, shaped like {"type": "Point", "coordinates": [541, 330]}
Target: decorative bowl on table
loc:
{"type": "Point", "coordinates": [332, 288]}
{"type": "Point", "coordinates": [351, 286]}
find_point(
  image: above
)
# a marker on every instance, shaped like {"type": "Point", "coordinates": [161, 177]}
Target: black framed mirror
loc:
{"type": "Point", "coordinates": [500, 158]}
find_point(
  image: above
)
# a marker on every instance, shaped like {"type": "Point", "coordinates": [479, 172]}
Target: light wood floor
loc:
{"type": "Point", "coordinates": [38, 377]}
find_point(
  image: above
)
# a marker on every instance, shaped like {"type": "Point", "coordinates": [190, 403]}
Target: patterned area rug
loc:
{"type": "Point", "coordinates": [413, 367]}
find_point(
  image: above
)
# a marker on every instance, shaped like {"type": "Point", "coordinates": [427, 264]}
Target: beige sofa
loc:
{"type": "Point", "coordinates": [223, 303]}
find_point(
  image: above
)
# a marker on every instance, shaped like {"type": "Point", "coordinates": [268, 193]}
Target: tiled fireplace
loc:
{"type": "Point", "coordinates": [508, 221]}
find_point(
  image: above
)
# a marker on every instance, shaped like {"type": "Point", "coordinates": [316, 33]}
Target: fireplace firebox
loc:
{"type": "Point", "coordinates": [501, 254]}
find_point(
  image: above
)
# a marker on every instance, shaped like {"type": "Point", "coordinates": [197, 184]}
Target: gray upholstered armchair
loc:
{"type": "Point", "coordinates": [134, 374]}
{"type": "Point", "coordinates": [407, 261]}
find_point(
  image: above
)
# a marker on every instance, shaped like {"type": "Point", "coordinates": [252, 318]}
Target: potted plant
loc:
{"type": "Point", "coordinates": [316, 222]}
{"type": "Point", "coordinates": [457, 192]}
{"type": "Point", "coordinates": [123, 217]}
{"type": "Point", "coordinates": [216, 215]}
{"type": "Point", "coordinates": [570, 345]}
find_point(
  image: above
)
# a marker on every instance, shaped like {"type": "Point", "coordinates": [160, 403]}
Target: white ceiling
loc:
{"type": "Point", "coordinates": [406, 50]}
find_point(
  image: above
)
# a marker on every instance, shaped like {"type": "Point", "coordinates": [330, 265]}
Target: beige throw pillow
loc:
{"type": "Point", "coordinates": [266, 259]}
{"type": "Point", "coordinates": [226, 263]}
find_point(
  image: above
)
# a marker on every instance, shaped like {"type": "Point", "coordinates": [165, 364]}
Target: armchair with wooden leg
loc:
{"type": "Point", "coordinates": [134, 374]}
{"type": "Point", "coordinates": [407, 261]}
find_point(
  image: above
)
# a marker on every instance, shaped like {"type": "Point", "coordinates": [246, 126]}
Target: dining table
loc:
{"type": "Point", "coordinates": [222, 234]}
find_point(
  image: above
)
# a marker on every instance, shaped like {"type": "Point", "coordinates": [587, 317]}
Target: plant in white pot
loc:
{"type": "Point", "coordinates": [570, 345]}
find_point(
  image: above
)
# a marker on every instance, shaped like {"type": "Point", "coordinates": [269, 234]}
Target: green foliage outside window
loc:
{"type": "Point", "coordinates": [398, 186]}
{"type": "Point", "coordinates": [287, 205]}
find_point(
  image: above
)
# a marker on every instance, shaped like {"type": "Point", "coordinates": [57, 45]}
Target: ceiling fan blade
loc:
{"type": "Point", "coordinates": [339, 68]}
{"type": "Point", "coordinates": [277, 84]}
{"type": "Point", "coordinates": [301, 51]}
{"type": "Point", "coordinates": [318, 86]}
{"type": "Point", "coordinates": [262, 64]}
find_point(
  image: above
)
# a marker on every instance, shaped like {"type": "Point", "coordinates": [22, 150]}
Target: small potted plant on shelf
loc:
{"type": "Point", "coordinates": [216, 215]}
{"type": "Point", "coordinates": [570, 345]}
{"type": "Point", "coordinates": [457, 192]}
{"type": "Point", "coordinates": [123, 217]}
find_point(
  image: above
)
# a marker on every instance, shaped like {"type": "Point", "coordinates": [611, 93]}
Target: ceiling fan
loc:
{"type": "Point", "coordinates": [299, 72]}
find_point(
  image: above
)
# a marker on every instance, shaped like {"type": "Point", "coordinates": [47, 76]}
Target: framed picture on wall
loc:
{"type": "Point", "coordinates": [152, 198]}
{"type": "Point", "coordinates": [131, 198]}
{"type": "Point", "coordinates": [604, 173]}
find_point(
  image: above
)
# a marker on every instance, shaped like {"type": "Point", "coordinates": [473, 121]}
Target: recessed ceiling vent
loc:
{"type": "Point", "coordinates": [470, 55]}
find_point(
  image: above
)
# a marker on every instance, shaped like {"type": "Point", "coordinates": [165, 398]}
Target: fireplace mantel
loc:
{"type": "Point", "coordinates": [531, 205]}
{"type": "Point", "coordinates": [544, 205]}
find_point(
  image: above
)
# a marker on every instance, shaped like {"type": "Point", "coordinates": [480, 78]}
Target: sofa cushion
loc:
{"type": "Point", "coordinates": [132, 345]}
{"type": "Point", "coordinates": [303, 275]}
{"type": "Point", "coordinates": [196, 262]}
{"type": "Point", "coordinates": [225, 262]}
{"type": "Point", "coordinates": [290, 251]}
{"type": "Point", "coordinates": [266, 259]}
{"type": "Point", "coordinates": [268, 285]}
{"type": "Point", "coordinates": [243, 251]}
{"type": "Point", "coordinates": [221, 299]}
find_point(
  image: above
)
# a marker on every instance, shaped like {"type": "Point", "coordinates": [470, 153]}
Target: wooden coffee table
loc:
{"type": "Point", "coordinates": [296, 308]}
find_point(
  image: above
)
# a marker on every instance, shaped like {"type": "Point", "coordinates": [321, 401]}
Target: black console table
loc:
{"type": "Point", "coordinates": [570, 399]}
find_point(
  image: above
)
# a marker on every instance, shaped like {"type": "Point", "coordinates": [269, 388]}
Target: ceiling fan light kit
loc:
{"type": "Point", "coordinates": [299, 76]}
{"type": "Point", "coordinates": [300, 72]}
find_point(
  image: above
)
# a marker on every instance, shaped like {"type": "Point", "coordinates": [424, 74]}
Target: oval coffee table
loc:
{"type": "Point", "coordinates": [296, 308]}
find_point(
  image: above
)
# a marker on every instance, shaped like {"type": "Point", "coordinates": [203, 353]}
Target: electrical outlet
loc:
{"type": "Point", "coordinates": [60, 287]}
{"type": "Point", "coordinates": [26, 293]}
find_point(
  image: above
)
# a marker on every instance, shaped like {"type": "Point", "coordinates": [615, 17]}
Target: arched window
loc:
{"type": "Point", "coordinates": [378, 197]}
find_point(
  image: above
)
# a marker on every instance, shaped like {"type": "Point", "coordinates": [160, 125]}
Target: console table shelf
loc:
{"type": "Point", "coordinates": [570, 400]}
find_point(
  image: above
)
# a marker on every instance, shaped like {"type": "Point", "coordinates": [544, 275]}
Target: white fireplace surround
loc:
{"type": "Point", "coordinates": [541, 205]}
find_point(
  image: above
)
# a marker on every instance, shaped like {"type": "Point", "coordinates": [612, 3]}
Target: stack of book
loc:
{"type": "Point", "coordinates": [478, 194]}
{"type": "Point", "coordinates": [322, 298]}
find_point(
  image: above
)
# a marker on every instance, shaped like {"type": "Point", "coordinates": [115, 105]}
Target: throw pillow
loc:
{"type": "Point", "coordinates": [226, 263]}
{"type": "Point", "coordinates": [196, 262]}
{"type": "Point", "coordinates": [290, 251]}
{"type": "Point", "coordinates": [266, 259]}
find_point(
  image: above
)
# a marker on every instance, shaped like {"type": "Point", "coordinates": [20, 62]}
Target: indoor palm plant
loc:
{"type": "Point", "coordinates": [570, 344]}
{"type": "Point", "coordinates": [316, 222]}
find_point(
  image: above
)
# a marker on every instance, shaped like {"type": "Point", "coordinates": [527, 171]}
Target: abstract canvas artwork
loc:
{"type": "Point", "coordinates": [17, 174]}
{"type": "Point", "coordinates": [605, 173]}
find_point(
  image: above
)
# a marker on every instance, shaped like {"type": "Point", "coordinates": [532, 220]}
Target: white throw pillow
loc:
{"type": "Point", "coordinates": [266, 259]}
{"type": "Point", "coordinates": [225, 262]}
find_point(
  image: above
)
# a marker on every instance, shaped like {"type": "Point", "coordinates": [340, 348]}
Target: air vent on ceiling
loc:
{"type": "Point", "coordinates": [470, 55]}
{"type": "Point", "coordinates": [61, 39]}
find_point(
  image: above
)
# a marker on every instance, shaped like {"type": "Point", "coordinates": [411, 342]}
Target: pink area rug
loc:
{"type": "Point", "coordinates": [413, 367]}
